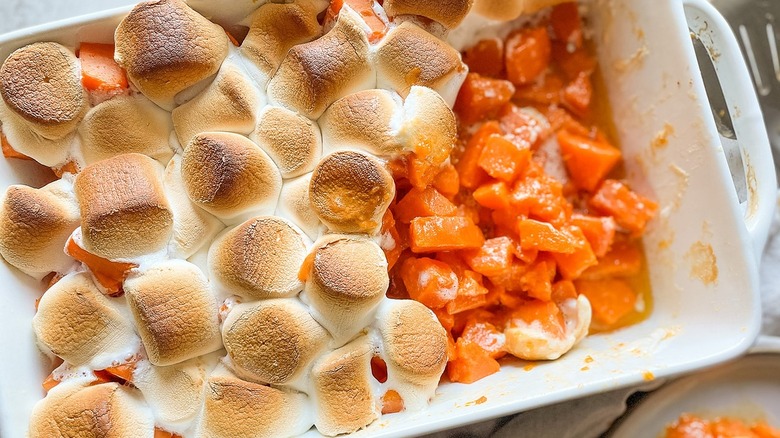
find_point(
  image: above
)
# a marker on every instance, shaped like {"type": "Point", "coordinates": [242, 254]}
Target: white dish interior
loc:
{"type": "Point", "coordinates": [672, 154]}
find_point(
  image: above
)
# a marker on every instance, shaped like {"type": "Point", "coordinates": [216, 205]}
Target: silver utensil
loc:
{"type": "Point", "coordinates": [757, 27]}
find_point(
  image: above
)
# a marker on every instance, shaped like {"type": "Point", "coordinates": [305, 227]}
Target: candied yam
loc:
{"type": "Point", "coordinates": [573, 63]}
{"type": "Point", "coordinates": [537, 280]}
{"type": "Point", "coordinates": [486, 57]}
{"type": "Point", "coordinates": [447, 182]}
{"type": "Point", "coordinates": [539, 196]}
{"type": "Point", "coordinates": [392, 402]}
{"type": "Point", "coordinates": [446, 319]}
{"type": "Point", "coordinates": [494, 196]}
{"type": "Point", "coordinates": [600, 231]}
{"type": "Point", "coordinates": [624, 260]}
{"type": "Point", "coordinates": [429, 234]}
{"type": "Point", "coordinates": [365, 8]}
{"type": "Point", "coordinates": [571, 266]}
{"type": "Point", "coordinates": [471, 294]}
{"type": "Point", "coordinates": [109, 274]}
{"type": "Point", "coordinates": [512, 278]}
{"type": "Point", "coordinates": [502, 159]}
{"type": "Point", "coordinates": [578, 94]}
{"type": "Point", "coordinates": [99, 71]}
{"type": "Point", "coordinates": [545, 91]}
{"type": "Point", "coordinates": [544, 313]}
{"type": "Point", "coordinates": [563, 290]}
{"type": "Point", "coordinates": [391, 243]}
{"type": "Point", "coordinates": [492, 258]}
{"type": "Point", "coordinates": [472, 363]}
{"type": "Point", "coordinates": [566, 24]}
{"type": "Point", "coordinates": [487, 336]}
{"type": "Point", "coordinates": [527, 54]}
{"type": "Point", "coordinates": [49, 382]}
{"type": "Point", "coordinates": [481, 97]}
{"type": "Point", "coordinates": [544, 237]}
{"type": "Point", "coordinates": [630, 210]}
{"type": "Point", "coordinates": [525, 126]}
{"type": "Point", "coordinates": [9, 151]}
{"type": "Point", "coordinates": [587, 161]}
{"type": "Point", "coordinates": [611, 299]}
{"type": "Point", "coordinates": [431, 282]}
{"type": "Point", "coordinates": [379, 369]}
{"type": "Point", "coordinates": [423, 203]}
{"type": "Point", "coordinates": [471, 175]}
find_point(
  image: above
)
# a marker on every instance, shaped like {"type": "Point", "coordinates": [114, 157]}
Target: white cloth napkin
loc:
{"type": "Point", "coordinates": [590, 417]}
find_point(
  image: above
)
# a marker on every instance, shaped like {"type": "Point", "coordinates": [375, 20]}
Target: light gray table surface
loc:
{"type": "Point", "coordinates": [16, 14]}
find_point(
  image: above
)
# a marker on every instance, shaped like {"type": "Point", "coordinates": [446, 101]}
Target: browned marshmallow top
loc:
{"type": "Point", "coordinates": [315, 74]}
{"type": "Point", "coordinates": [78, 323]}
{"type": "Point", "coordinates": [108, 410]}
{"type": "Point", "coordinates": [41, 83]}
{"type": "Point", "coordinates": [175, 312]}
{"type": "Point", "coordinates": [227, 175]}
{"type": "Point", "coordinates": [343, 389]}
{"type": "Point", "coordinates": [350, 192]}
{"type": "Point", "coordinates": [124, 212]}
{"type": "Point", "coordinates": [293, 141]}
{"type": "Point", "coordinates": [348, 279]}
{"type": "Point", "coordinates": [259, 259]}
{"type": "Point", "coordinates": [447, 12]}
{"type": "Point", "coordinates": [239, 409]}
{"type": "Point", "coordinates": [123, 125]}
{"type": "Point", "coordinates": [166, 47]}
{"type": "Point", "coordinates": [272, 341]}
{"type": "Point", "coordinates": [35, 225]}
{"type": "Point", "coordinates": [275, 29]}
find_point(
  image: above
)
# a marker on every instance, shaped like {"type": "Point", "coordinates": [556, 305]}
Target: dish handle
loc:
{"type": "Point", "coordinates": [742, 103]}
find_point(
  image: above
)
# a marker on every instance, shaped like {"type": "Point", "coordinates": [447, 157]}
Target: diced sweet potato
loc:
{"type": "Point", "coordinates": [471, 175]}
{"type": "Point", "coordinates": [587, 161]}
{"type": "Point", "coordinates": [423, 203]}
{"type": "Point", "coordinates": [429, 281]}
{"type": "Point", "coordinates": [611, 299]}
{"type": "Point", "coordinates": [630, 210]}
{"type": "Point", "coordinates": [472, 363]}
{"type": "Point", "coordinates": [481, 97]}
{"type": "Point", "coordinates": [527, 54]}
{"type": "Point", "coordinates": [502, 159]}
{"type": "Point", "coordinates": [435, 233]}
{"type": "Point", "coordinates": [492, 258]}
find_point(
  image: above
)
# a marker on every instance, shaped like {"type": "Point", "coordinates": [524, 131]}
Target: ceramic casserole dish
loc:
{"type": "Point", "coordinates": [703, 249]}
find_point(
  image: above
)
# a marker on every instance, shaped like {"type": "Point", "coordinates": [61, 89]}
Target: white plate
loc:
{"type": "Point", "coordinates": [672, 154]}
{"type": "Point", "coordinates": [748, 389]}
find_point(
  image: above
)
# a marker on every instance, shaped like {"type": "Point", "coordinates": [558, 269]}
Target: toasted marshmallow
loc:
{"type": "Point", "coordinates": [235, 408]}
{"type": "Point", "coordinates": [429, 121]}
{"type": "Point", "coordinates": [275, 29]}
{"type": "Point", "coordinates": [35, 225]}
{"type": "Point", "coordinates": [448, 12]}
{"type": "Point", "coordinates": [415, 349]}
{"type": "Point", "coordinates": [506, 10]}
{"type": "Point", "coordinates": [175, 313]}
{"type": "Point", "coordinates": [348, 279]}
{"type": "Point", "coordinates": [533, 342]}
{"type": "Point", "coordinates": [294, 206]}
{"type": "Point", "coordinates": [166, 47]}
{"type": "Point", "coordinates": [175, 393]}
{"type": "Point", "coordinates": [367, 120]}
{"type": "Point", "coordinates": [315, 74]}
{"type": "Point", "coordinates": [107, 410]}
{"type": "Point", "coordinates": [350, 192]}
{"type": "Point", "coordinates": [293, 141]}
{"type": "Point", "coordinates": [408, 56]}
{"type": "Point", "coordinates": [343, 389]}
{"type": "Point", "coordinates": [41, 83]}
{"type": "Point", "coordinates": [124, 212]}
{"type": "Point", "coordinates": [123, 125]}
{"type": "Point", "coordinates": [229, 176]}
{"type": "Point", "coordinates": [81, 325]}
{"type": "Point", "coordinates": [192, 226]}
{"type": "Point", "coordinates": [227, 104]}
{"type": "Point", "coordinates": [259, 258]}
{"type": "Point", "coordinates": [22, 138]}
{"type": "Point", "coordinates": [273, 341]}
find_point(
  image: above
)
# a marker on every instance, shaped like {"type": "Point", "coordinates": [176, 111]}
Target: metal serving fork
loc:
{"type": "Point", "coordinates": [756, 24]}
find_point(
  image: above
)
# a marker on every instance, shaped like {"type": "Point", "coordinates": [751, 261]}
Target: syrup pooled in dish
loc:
{"type": "Point", "coordinates": [230, 213]}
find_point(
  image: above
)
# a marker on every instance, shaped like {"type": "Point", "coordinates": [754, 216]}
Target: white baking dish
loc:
{"type": "Point", "coordinates": [672, 154]}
